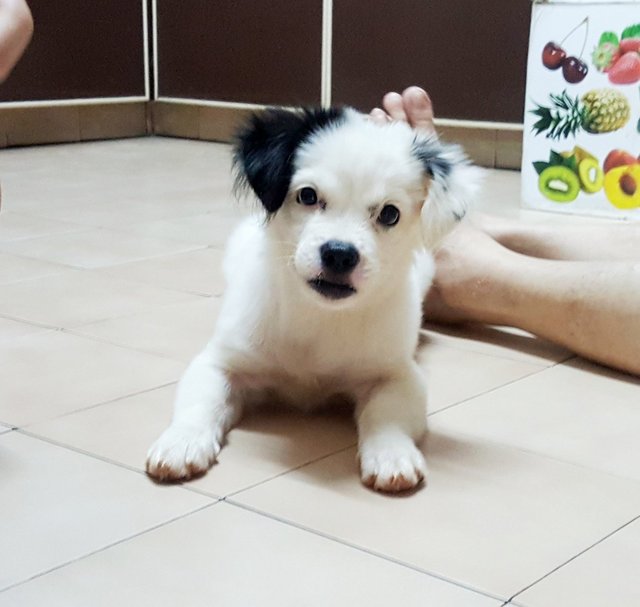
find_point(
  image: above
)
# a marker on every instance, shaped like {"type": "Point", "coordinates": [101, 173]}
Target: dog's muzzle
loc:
{"type": "Point", "coordinates": [339, 259]}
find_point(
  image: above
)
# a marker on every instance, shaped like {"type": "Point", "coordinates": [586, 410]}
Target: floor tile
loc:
{"type": "Point", "coordinates": [52, 373]}
{"type": "Point", "coordinates": [532, 462]}
{"type": "Point", "coordinates": [10, 329]}
{"type": "Point", "coordinates": [115, 182]}
{"type": "Point", "coordinates": [605, 575]}
{"type": "Point", "coordinates": [264, 445]}
{"type": "Point", "coordinates": [500, 193]}
{"type": "Point", "coordinates": [454, 375]}
{"type": "Point", "coordinates": [505, 342]}
{"type": "Point", "coordinates": [18, 226]}
{"type": "Point", "coordinates": [15, 269]}
{"type": "Point", "coordinates": [211, 229]}
{"type": "Point", "coordinates": [93, 248]}
{"type": "Point", "coordinates": [148, 203]}
{"type": "Point", "coordinates": [493, 517]}
{"type": "Point", "coordinates": [59, 505]}
{"type": "Point", "coordinates": [194, 272]}
{"type": "Point", "coordinates": [77, 297]}
{"type": "Point", "coordinates": [209, 572]}
{"type": "Point", "coordinates": [177, 331]}
{"type": "Point", "coordinates": [577, 412]}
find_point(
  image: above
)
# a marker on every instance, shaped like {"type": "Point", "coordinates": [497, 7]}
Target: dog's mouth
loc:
{"type": "Point", "coordinates": [331, 290]}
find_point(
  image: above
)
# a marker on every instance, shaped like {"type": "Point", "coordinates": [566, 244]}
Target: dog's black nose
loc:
{"type": "Point", "coordinates": [338, 256]}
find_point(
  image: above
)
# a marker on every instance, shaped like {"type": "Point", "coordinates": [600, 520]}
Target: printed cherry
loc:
{"type": "Point", "coordinates": [574, 70]}
{"type": "Point", "coordinates": [553, 55]}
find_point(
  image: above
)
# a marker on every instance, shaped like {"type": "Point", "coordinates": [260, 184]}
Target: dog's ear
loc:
{"type": "Point", "coordinates": [265, 149]}
{"type": "Point", "coordinates": [453, 183]}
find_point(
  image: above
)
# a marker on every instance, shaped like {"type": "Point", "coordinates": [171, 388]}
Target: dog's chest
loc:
{"type": "Point", "coordinates": [306, 373]}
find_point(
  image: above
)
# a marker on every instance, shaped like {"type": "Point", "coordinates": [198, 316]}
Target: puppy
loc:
{"type": "Point", "coordinates": [325, 289]}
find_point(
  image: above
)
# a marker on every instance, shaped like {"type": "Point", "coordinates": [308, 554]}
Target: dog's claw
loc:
{"type": "Point", "coordinates": [180, 454]}
{"type": "Point", "coordinates": [392, 470]}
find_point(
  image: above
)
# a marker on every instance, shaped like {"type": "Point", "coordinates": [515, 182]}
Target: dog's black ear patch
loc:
{"type": "Point", "coordinates": [453, 185]}
{"type": "Point", "coordinates": [435, 158]}
{"type": "Point", "coordinates": [265, 149]}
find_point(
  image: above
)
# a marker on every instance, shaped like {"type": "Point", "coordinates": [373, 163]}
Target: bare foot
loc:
{"type": "Point", "coordinates": [413, 107]}
{"type": "Point", "coordinates": [467, 265]}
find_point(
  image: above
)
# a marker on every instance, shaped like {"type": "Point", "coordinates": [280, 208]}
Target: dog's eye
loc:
{"type": "Point", "coordinates": [389, 216]}
{"type": "Point", "coordinates": [307, 196]}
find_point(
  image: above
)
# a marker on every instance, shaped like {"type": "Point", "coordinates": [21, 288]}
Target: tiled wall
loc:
{"type": "Point", "coordinates": [240, 50]}
{"type": "Point", "coordinates": [69, 123]}
{"type": "Point", "coordinates": [488, 146]}
{"type": "Point", "coordinates": [471, 55]}
{"type": "Point", "coordinates": [215, 59]}
{"type": "Point", "coordinates": [82, 49]}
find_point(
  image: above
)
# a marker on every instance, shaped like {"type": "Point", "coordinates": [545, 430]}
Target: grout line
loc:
{"type": "Point", "coordinates": [512, 358]}
{"type": "Point", "coordinates": [214, 103]}
{"type": "Point", "coordinates": [118, 264]}
{"type": "Point", "coordinates": [6, 105]}
{"type": "Point", "coordinates": [145, 50]}
{"type": "Point", "coordinates": [285, 472]}
{"type": "Point", "coordinates": [427, 331]}
{"type": "Point", "coordinates": [77, 332]}
{"type": "Point", "coordinates": [118, 464]}
{"type": "Point", "coordinates": [326, 53]}
{"type": "Point", "coordinates": [154, 31]}
{"type": "Point", "coordinates": [362, 549]}
{"type": "Point", "coordinates": [32, 323]}
{"type": "Point", "coordinates": [108, 546]}
{"type": "Point", "coordinates": [573, 558]}
{"type": "Point", "coordinates": [489, 391]}
{"type": "Point", "coordinates": [104, 402]}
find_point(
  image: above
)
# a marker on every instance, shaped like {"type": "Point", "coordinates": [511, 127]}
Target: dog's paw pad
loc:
{"type": "Point", "coordinates": [393, 469]}
{"type": "Point", "coordinates": [181, 454]}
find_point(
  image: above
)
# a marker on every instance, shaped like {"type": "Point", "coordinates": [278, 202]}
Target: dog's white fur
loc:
{"type": "Point", "coordinates": [277, 337]}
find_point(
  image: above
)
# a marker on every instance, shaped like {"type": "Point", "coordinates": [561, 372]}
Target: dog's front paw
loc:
{"type": "Point", "coordinates": [181, 454]}
{"type": "Point", "coordinates": [392, 467]}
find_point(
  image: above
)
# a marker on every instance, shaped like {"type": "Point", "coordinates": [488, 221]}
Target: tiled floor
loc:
{"type": "Point", "coordinates": [110, 282]}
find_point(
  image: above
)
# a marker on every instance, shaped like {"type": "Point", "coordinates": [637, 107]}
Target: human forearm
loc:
{"type": "Point", "coordinates": [16, 29]}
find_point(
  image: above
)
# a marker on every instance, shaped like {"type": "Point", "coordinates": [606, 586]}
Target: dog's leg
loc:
{"type": "Point", "coordinates": [389, 424]}
{"type": "Point", "coordinates": [205, 410]}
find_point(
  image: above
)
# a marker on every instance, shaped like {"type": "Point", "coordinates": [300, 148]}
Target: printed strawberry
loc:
{"type": "Point", "coordinates": [626, 70]}
{"type": "Point", "coordinates": [629, 45]}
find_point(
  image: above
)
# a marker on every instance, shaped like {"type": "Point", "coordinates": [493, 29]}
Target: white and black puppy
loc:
{"type": "Point", "coordinates": [325, 288]}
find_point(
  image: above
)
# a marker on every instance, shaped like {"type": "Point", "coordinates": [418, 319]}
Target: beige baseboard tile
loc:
{"type": "Point", "coordinates": [221, 123]}
{"type": "Point", "coordinates": [488, 147]}
{"type": "Point", "coordinates": [113, 120]}
{"type": "Point", "coordinates": [492, 148]}
{"type": "Point", "coordinates": [196, 121]}
{"type": "Point", "coordinates": [35, 125]}
{"type": "Point", "coordinates": [175, 119]}
{"type": "Point", "coordinates": [3, 129]}
{"type": "Point", "coordinates": [509, 149]}
{"type": "Point", "coordinates": [479, 144]}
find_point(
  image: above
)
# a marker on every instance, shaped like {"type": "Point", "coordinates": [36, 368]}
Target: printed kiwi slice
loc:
{"type": "Point", "coordinates": [559, 183]}
{"type": "Point", "coordinates": [591, 175]}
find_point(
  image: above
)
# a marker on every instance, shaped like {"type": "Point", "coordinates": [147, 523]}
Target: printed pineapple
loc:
{"type": "Point", "coordinates": [598, 111]}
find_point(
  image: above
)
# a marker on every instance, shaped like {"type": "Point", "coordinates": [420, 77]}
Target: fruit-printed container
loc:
{"type": "Point", "coordinates": [581, 151]}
